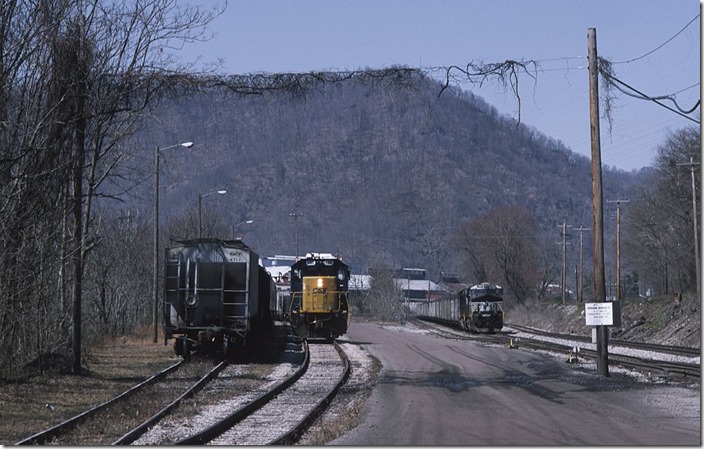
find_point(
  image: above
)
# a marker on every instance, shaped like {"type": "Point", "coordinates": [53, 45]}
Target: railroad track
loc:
{"type": "Point", "coordinates": [189, 404]}
{"type": "Point", "coordinates": [55, 432]}
{"type": "Point", "coordinates": [673, 370]}
{"type": "Point", "coordinates": [284, 419]}
{"type": "Point", "coordinates": [666, 349]}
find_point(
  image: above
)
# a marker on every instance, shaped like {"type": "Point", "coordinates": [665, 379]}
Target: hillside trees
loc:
{"type": "Point", "coordinates": [499, 247]}
{"type": "Point", "coordinates": [74, 78]}
{"type": "Point", "coordinates": [659, 234]}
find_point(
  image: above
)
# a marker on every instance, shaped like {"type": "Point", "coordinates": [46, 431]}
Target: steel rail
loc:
{"type": "Point", "coordinates": [138, 431]}
{"type": "Point", "coordinates": [668, 349]}
{"type": "Point", "coordinates": [215, 430]}
{"type": "Point", "coordinates": [665, 368]}
{"type": "Point", "coordinates": [45, 435]}
{"type": "Point", "coordinates": [295, 434]}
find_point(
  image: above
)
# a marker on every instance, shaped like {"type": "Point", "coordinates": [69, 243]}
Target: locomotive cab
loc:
{"type": "Point", "coordinates": [319, 305]}
{"type": "Point", "coordinates": [481, 307]}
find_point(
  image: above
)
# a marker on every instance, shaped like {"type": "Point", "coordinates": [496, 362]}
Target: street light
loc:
{"type": "Point", "coordinates": [296, 216]}
{"type": "Point", "coordinates": [238, 224]}
{"type": "Point", "coordinates": [200, 208]}
{"type": "Point", "coordinates": [155, 274]}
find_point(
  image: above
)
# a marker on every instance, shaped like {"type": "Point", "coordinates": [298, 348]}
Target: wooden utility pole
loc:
{"type": "Point", "coordinates": [693, 164]}
{"type": "Point", "coordinates": [564, 227]}
{"type": "Point", "coordinates": [618, 244]}
{"type": "Point", "coordinates": [581, 230]}
{"type": "Point", "coordinates": [602, 344]}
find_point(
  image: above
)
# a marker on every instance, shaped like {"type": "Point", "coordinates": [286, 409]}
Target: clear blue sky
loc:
{"type": "Point", "coordinates": [271, 36]}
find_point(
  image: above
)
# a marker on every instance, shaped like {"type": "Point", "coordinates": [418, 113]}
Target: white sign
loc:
{"type": "Point", "coordinates": [602, 313]}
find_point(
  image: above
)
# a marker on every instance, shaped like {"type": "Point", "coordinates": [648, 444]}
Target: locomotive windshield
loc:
{"type": "Point", "coordinates": [486, 292]}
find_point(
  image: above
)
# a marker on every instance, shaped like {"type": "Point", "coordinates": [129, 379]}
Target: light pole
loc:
{"type": "Point", "coordinates": [155, 274]}
{"type": "Point", "coordinates": [238, 224]}
{"type": "Point", "coordinates": [200, 208]}
{"type": "Point", "coordinates": [296, 216]}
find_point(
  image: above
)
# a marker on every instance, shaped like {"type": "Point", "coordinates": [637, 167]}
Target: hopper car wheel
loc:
{"type": "Point", "coordinates": [184, 348]}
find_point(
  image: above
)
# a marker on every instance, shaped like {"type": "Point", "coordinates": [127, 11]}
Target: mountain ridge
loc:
{"type": "Point", "coordinates": [379, 171]}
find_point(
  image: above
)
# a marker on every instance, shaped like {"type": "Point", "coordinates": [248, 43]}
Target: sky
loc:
{"type": "Point", "coordinates": [654, 45]}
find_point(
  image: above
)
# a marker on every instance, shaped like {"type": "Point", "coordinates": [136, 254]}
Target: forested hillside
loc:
{"type": "Point", "coordinates": [380, 172]}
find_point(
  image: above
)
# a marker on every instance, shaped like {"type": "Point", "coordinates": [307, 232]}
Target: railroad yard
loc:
{"type": "Point", "coordinates": [116, 366]}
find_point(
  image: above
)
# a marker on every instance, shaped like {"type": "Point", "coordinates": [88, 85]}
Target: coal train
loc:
{"type": "Point", "coordinates": [217, 298]}
{"type": "Point", "coordinates": [319, 306]}
{"type": "Point", "coordinates": [478, 308]}
{"type": "Point", "coordinates": [481, 307]}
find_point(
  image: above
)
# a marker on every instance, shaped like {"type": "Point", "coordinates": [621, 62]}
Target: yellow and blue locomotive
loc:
{"type": "Point", "coordinates": [319, 305]}
{"type": "Point", "coordinates": [481, 307]}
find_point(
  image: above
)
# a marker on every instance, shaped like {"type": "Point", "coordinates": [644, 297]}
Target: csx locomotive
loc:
{"type": "Point", "coordinates": [319, 305]}
{"type": "Point", "coordinates": [217, 298]}
{"type": "Point", "coordinates": [481, 307]}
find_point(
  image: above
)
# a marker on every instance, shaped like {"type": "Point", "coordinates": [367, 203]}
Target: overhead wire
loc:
{"type": "Point", "coordinates": [643, 96]}
{"type": "Point", "coordinates": [661, 45]}
{"type": "Point", "coordinates": [547, 65]}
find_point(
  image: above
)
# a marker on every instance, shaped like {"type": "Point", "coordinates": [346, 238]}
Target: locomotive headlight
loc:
{"type": "Point", "coordinates": [191, 300]}
{"type": "Point", "coordinates": [320, 282]}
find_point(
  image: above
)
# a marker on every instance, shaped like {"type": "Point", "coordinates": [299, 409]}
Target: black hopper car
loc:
{"type": "Point", "coordinates": [319, 305]}
{"type": "Point", "coordinates": [481, 307]}
{"type": "Point", "coordinates": [217, 298]}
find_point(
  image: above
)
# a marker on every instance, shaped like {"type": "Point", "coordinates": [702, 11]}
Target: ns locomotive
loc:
{"type": "Point", "coordinates": [217, 298]}
{"type": "Point", "coordinates": [319, 305]}
{"type": "Point", "coordinates": [481, 307]}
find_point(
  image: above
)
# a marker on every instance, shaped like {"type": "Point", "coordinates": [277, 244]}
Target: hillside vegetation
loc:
{"type": "Point", "coordinates": [380, 171]}
{"type": "Point", "coordinates": [660, 319]}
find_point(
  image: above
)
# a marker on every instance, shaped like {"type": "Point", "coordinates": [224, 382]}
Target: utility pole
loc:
{"type": "Point", "coordinates": [602, 343]}
{"type": "Point", "coordinates": [618, 244]}
{"type": "Point", "coordinates": [693, 164]}
{"type": "Point", "coordinates": [581, 230]}
{"type": "Point", "coordinates": [564, 258]}
{"type": "Point", "coordinates": [296, 216]}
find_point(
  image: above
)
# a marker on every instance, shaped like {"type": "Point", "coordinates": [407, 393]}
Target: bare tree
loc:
{"type": "Point", "coordinates": [547, 264]}
{"type": "Point", "coordinates": [75, 76]}
{"type": "Point", "coordinates": [659, 234]}
{"type": "Point", "coordinates": [500, 247]}
{"type": "Point", "coordinates": [384, 294]}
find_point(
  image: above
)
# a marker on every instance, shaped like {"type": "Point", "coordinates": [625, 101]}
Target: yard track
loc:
{"type": "Point", "coordinates": [572, 346]}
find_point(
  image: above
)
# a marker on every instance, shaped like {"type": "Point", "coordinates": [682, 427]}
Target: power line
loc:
{"type": "Point", "coordinates": [643, 96]}
{"type": "Point", "coordinates": [661, 45]}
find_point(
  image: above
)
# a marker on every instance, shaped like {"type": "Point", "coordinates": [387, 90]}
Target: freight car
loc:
{"type": "Point", "coordinates": [217, 298]}
{"type": "Point", "coordinates": [481, 307]}
{"type": "Point", "coordinates": [474, 309]}
{"type": "Point", "coordinates": [319, 305]}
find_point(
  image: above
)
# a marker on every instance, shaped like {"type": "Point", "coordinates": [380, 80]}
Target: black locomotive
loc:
{"type": "Point", "coordinates": [217, 298]}
{"type": "Point", "coordinates": [481, 307]}
{"type": "Point", "coordinates": [319, 305]}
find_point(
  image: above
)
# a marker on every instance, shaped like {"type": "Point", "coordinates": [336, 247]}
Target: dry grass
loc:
{"type": "Point", "coordinates": [42, 401]}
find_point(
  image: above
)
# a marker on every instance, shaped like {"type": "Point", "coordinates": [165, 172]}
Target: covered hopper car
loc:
{"type": "Point", "coordinates": [217, 298]}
